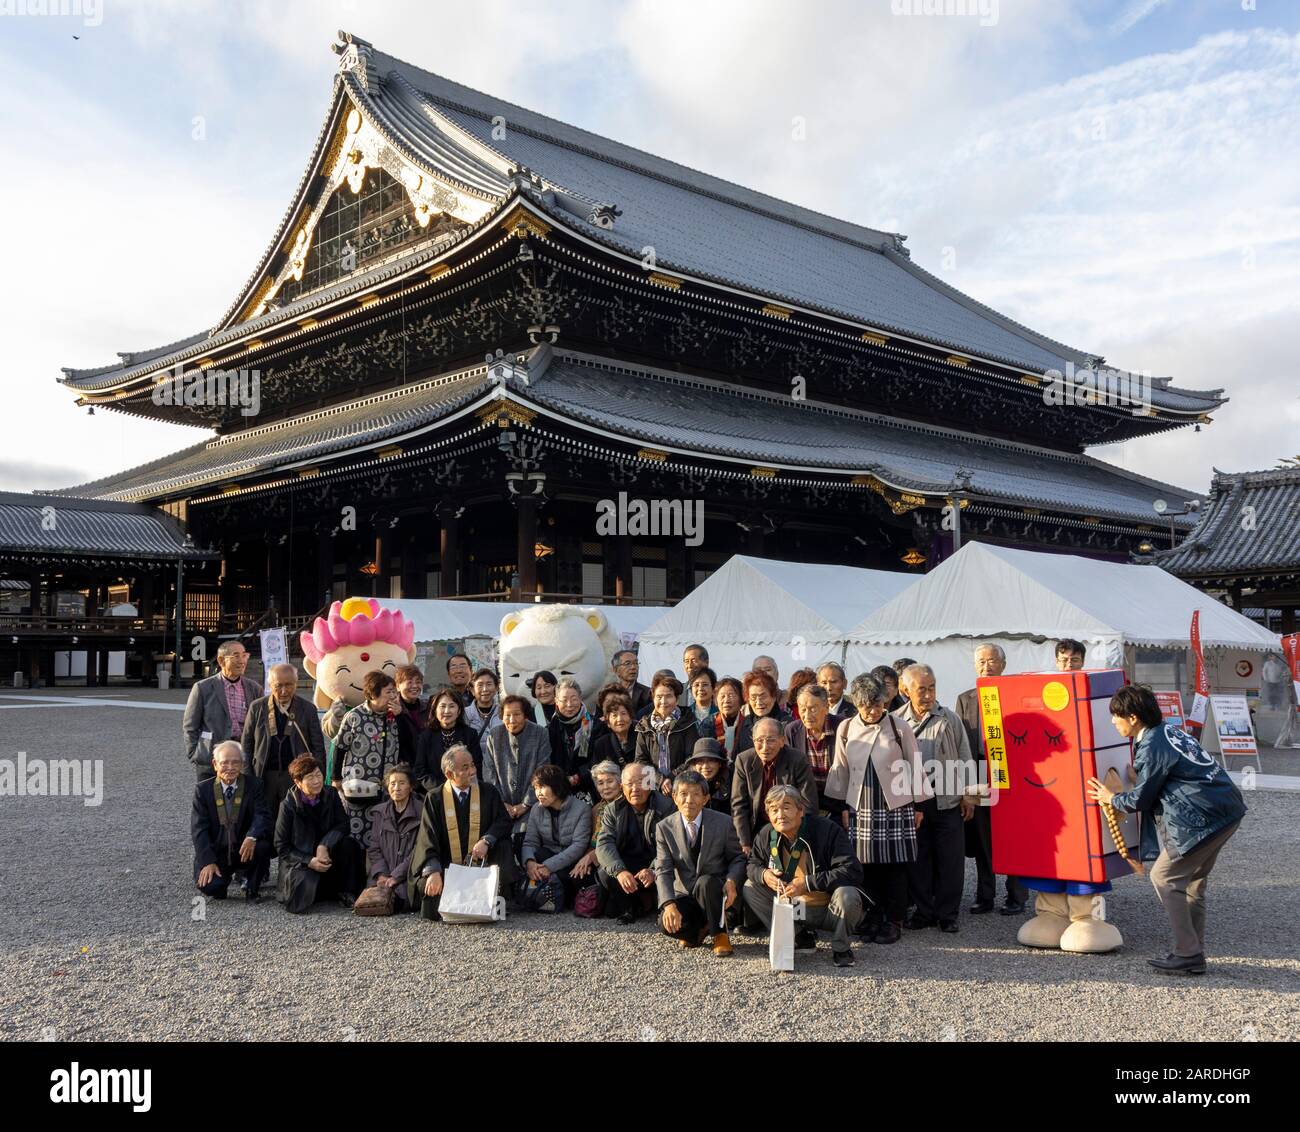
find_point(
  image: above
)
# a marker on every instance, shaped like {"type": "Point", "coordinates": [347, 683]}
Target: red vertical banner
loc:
{"type": "Point", "coordinates": [1201, 700]}
{"type": "Point", "coordinates": [1291, 650]}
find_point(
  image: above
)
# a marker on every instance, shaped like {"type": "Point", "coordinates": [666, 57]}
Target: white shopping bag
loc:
{"type": "Point", "coordinates": [780, 944]}
{"type": "Point", "coordinates": [469, 895]}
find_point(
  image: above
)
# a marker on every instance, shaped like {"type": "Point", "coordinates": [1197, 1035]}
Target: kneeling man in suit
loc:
{"type": "Point", "coordinates": [699, 866]}
{"type": "Point", "coordinates": [230, 826]}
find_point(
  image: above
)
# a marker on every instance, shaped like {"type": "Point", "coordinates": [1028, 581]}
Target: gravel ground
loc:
{"type": "Point", "coordinates": [98, 941]}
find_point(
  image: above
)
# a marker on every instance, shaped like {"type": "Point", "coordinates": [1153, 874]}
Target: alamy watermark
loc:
{"type": "Point", "coordinates": [677, 518]}
{"type": "Point", "coordinates": [210, 388]}
{"type": "Point", "coordinates": [1100, 386]}
{"type": "Point", "coordinates": [90, 12]}
{"type": "Point", "coordinates": [985, 10]}
{"type": "Point", "coordinates": [52, 778]}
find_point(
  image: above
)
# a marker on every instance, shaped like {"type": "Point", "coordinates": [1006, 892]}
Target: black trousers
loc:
{"type": "Point", "coordinates": [979, 844]}
{"type": "Point", "coordinates": [886, 885]}
{"type": "Point", "coordinates": [275, 785]}
{"type": "Point", "coordinates": [936, 876]}
{"type": "Point", "coordinates": [256, 870]}
{"type": "Point", "coordinates": [346, 875]}
{"type": "Point", "coordinates": [701, 910]}
{"type": "Point", "coordinates": [617, 901]}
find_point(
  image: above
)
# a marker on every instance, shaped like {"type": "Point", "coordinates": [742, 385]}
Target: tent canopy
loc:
{"type": "Point", "coordinates": [798, 612]}
{"type": "Point", "coordinates": [445, 620]}
{"type": "Point", "coordinates": [993, 591]}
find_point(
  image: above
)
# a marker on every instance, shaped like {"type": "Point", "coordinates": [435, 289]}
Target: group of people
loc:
{"type": "Point", "coordinates": [697, 799]}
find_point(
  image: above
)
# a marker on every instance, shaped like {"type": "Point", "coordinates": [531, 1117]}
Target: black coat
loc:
{"type": "Point", "coordinates": [607, 745]}
{"type": "Point", "coordinates": [571, 764]}
{"type": "Point", "coordinates": [429, 749]}
{"type": "Point", "coordinates": [831, 862]}
{"type": "Point", "coordinates": [209, 839]}
{"type": "Point", "coordinates": [618, 832]}
{"type": "Point", "coordinates": [433, 845]}
{"type": "Point", "coordinates": [305, 738]}
{"type": "Point", "coordinates": [299, 828]}
{"type": "Point", "coordinates": [792, 769]}
{"type": "Point", "coordinates": [681, 742]}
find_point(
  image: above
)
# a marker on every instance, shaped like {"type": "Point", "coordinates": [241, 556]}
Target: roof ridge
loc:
{"type": "Point", "coordinates": [535, 124]}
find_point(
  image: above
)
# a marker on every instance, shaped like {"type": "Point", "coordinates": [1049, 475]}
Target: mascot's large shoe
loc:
{"type": "Point", "coordinates": [1089, 933]}
{"type": "Point", "coordinates": [1051, 919]}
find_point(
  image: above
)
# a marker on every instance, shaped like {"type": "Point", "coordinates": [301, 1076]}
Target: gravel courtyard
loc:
{"type": "Point", "coordinates": [99, 940]}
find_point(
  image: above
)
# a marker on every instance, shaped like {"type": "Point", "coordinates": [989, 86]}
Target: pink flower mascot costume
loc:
{"type": "Point", "coordinates": [357, 637]}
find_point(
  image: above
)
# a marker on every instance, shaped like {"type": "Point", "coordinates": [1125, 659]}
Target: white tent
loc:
{"type": "Point", "coordinates": [1026, 600]}
{"type": "Point", "coordinates": [797, 612]}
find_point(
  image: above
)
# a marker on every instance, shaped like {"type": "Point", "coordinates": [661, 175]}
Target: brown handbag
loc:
{"type": "Point", "coordinates": [374, 901]}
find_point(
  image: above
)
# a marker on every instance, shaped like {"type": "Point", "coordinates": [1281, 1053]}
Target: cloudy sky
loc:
{"type": "Point", "coordinates": [1120, 174]}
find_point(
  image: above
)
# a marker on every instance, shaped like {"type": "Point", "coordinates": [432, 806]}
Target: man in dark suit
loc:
{"type": "Point", "coordinates": [990, 660]}
{"type": "Point", "coordinates": [217, 707]}
{"type": "Point", "coordinates": [482, 831]}
{"type": "Point", "coordinates": [770, 762]}
{"type": "Point", "coordinates": [626, 669]}
{"type": "Point", "coordinates": [699, 867]}
{"type": "Point", "coordinates": [831, 677]}
{"type": "Point", "coordinates": [277, 729]}
{"type": "Point", "coordinates": [230, 826]}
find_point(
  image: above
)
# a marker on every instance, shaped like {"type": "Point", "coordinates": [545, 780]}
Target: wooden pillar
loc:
{"type": "Point", "coordinates": [144, 598]}
{"type": "Point", "coordinates": [623, 569]}
{"type": "Point", "coordinates": [449, 551]}
{"type": "Point", "coordinates": [325, 551]}
{"type": "Point", "coordinates": [1288, 620]}
{"type": "Point", "coordinates": [276, 573]}
{"type": "Point", "coordinates": [379, 579]}
{"type": "Point", "coordinates": [526, 541]}
{"type": "Point", "coordinates": [227, 592]}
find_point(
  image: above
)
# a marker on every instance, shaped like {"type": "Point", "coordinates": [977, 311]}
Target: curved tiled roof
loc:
{"type": "Point", "coordinates": [1250, 524]}
{"type": "Point", "coordinates": [89, 527]}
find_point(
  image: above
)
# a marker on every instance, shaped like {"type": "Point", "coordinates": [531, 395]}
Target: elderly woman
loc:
{"type": "Point", "coordinates": [616, 741]}
{"type": "Point", "coordinates": [392, 835]}
{"type": "Point", "coordinates": [446, 728]}
{"type": "Point", "coordinates": [812, 734]}
{"type": "Point", "coordinates": [703, 681]}
{"type": "Point", "coordinates": [710, 763]}
{"type": "Point", "coordinates": [762, 701]}
{"type": "Point", "coordinates": [665, 737]}
{"type": "Point", "coordinates": [802, 677]}
{"type": "Point", "coordinates": [606, 777]}
{"type": "Point", "coordinates": [877, 773]}
{"type": "Point", "coordinates": [730, 698]}
{"type": "Point", "coordinates": [558, 834]}
{"type": "Point", "coordinates": [542, 688]}
{"type": "Point", "coordinates": [368, 744]}
{"type": "Point", "coordinates": [570, 736]}
{"type": "Point", "coordinates": [318, 858]}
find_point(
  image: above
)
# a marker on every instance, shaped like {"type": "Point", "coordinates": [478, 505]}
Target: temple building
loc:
{"type": "Point", "coordinates": [1246, 548]}
{"type": "Point", "coordinates": [477, 329]}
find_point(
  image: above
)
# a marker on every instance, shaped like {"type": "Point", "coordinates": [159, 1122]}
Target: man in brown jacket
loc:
{"type": "Point", "coordinates": [770, 762]}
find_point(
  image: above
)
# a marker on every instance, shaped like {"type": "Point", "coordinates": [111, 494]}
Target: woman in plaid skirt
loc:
{"type": "Point", "coordinates": [877, 773]}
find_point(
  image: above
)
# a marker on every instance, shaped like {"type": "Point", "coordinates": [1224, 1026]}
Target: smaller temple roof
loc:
{"type": "Point", "coordinates": [45, 525]}
{"type": "Point", "coordinates": [1250, 525]}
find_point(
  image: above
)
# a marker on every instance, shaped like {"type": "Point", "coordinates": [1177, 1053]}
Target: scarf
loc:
{"type": "Point", "coordinates": [661, 728]}
{"type": "Point", "coordinates": [725, 732]}
{"type": "Point", "coordinates": [229, 819]}
{"type": "Point", "coordinates": [576, 732]}
{"type": "Point", "coordinates": [785, 872]}
{"type": "Point", "coordinates": [453, 826]}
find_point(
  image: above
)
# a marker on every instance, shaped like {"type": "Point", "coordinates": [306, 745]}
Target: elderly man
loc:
{"type": "Point", "coordinates": [768, 763]}
{"type": "Point", "coordinates": [626, 669]}
{"type": "Point", "coordinates": [463, 819]}
{"type": "Point", "coordinates": [695, 659]}
{"type": "Point", "coordinates": [768, 664]}
{"type": "Point", "coordinates": [230, 826]}
{"type": "Point", "coordinates": [990, 660]}
{"type": "Point", "coordinates": [812, 734]}
{"type": "Point", "coordinates": [699, 867]}
{"type": "Point", "coordinates": [460, 673]}
{"type": "Point", "coordinates": [810, 859]}
{"type": "Point", "coordinates": [279, 728]}
{"type": "Point", "coordinates": [217, 706]}
{"type": "Point", "coordinates": [831, 677]}
{"type": "Point", "coordinates": [625, 844]}
{"type": "Point", "coordinates": [936, 876]}
{"type": "Point", "coordinates": [512, 752]}
{"type": "Point", "coordinates": [1070, 655]}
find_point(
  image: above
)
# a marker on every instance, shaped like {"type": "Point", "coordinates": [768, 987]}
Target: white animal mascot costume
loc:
{"type": "Point", "coordinates": [569, 640]}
